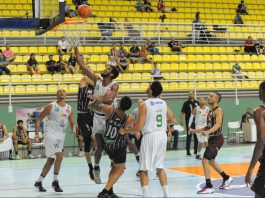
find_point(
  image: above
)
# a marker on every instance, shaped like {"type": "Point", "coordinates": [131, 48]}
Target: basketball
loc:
{"type": "Point", "coordinates": [84, 11]}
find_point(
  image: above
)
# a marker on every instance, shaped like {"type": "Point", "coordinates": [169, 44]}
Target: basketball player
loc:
{"type": "Point", "coordinates": [200, 113]}
{"type": "Point", "coordinates": [259, 152]}
{"type": "Point", "coordinates": [114, 143]}
{"type": "Point", "coordinates": [152, 121]}
{"type": "Point", "coordinates": [58, 113]}
{"type": "Point", "coordinates": [215, 142]}
{"type": "Point", "coordinates": [85, 118]}
{"type": "Point", "coordinates": [106, 90]}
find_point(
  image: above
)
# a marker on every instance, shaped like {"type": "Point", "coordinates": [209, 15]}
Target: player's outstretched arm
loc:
{"type": "Point", "coordinates": [43, 114]}
{"type": "Point", "coordinates": [98, 106]}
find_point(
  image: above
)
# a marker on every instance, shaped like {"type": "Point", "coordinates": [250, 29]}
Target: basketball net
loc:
{"type": "Point", "coordinates": [72, 34]}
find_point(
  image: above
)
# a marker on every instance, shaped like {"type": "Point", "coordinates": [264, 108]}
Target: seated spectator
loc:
{"type": "Point", "coordinates": [242, 8]}
{"type": "Point", "coordinates": [4, 138]}
{"type": "Point", "coordinates": [250, 47]}
{"type": "Point", "coordinates": [237, 70]}
{"type": "Point", "coordinates": [134, 53]}
{"type": "Point", "coordinates": [113, 23]}
{"type": "Point", "coordinates": [174, 45]}
{"type": "Point", "coordinates": [238, 19]}
{"type": "Point", "coordinates": [63, 65]}
{"type": "Point", "coordinates": [147, 6]}
{"type": "Point", "coordinates": [20, 136]}
{"type": "Point", "coordinates": [52, 66]}
{"type": "Point", "coordinates": [156, 73]}
{"type": "Point", "coordinates": [143, 56]}
{"type": "Point", "coordinates": [3, 64]}
{"type": "Point", "coordinates": [127, 24]}
{"type": "Point", "coordinates": [259, 46]}
{"type": "Point", "coordinates": [151, 47]}
{"type": "Point", "coordinates": [114, 52]}
{"type": "Point", "coordinates": [161, 6]}
{"type": "Point", "coordinates": [62, 46]}
{"type": "Point", "coordinates": [9, 54]}
{"type": "Point", "coordinates": [112, 61]}
{"type": "Point", "coordinates": [122, 50]}
{"type": "Point", "coordinates": [72, 63]}
{"type": "Point", "coordinates": [32, 65]}
{"type": "Point", "coordinates": [123, 63]}
{"type": "Point", "coordinates": [247, 116]}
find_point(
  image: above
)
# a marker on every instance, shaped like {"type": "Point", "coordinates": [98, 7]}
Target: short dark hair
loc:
{"type": "Point", "coordinates": [125, 103]}
{"type": "Point", "coordinates": [262, 91]}
{"type": "Point", "coordinates": [156, 88]}
{"type": "Point", "coordinates": [20, 121]}
{"type": "Point", "coordinates": [50, 55]}
{"type": "Point", "coordinates": [219, 96]}
{"type": "Point", "coordinates": [115, 72]}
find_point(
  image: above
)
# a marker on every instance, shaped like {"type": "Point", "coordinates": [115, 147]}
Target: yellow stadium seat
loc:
{"type": "Point", "coordinates": [41, 89]}
{"type": "Point", "coordinates": [183, 86]}
{"type": "Point", "coordinates": [127, 76]}
{"type": "Point", "coordinates": [208, 66]}
{"type": "Point", "coordinates": [216, 66]}
{"type": "Point", "coordinates": [199, 66]}
{"type": "Point", "coordinates": [201, 85]}
{"type": "Point", "coordinates": [106, 49]}
{"type": "Point", "coordinates": [174, 57]}
{"type": "Point", "coordinates": [8, 89]}
{"type": "Point", "coordinates": [20, 89]}
{"type": "Point", "coordinates": [51, 50]}
{"type": "Point", "coordinates": [1, 90]}
{"type": "Point", "coordinates": [248, 66]}
{"type": "Point", "coordinates": [147, 66]}
{"type": "Point", "coordinates": [15, 78]}
{"type": "Point", "coordinates": [173, 86]}
{"type": "Point", "coordinates": [165, 58]}
{"type": "Point", "coordinates": [191, 66]}
{"type": "Point", "coordinates": [210, 85]}
{"type": "Point", "coordinates": [31, 89]}
{"type": "Point", "coordinates": [52, 88]}
{"type": "Point", "coordinates": [219, 85]}
{"type": "Point", "coordinates": [245, 85]}
{"type": "Point", "coordinates": [76, 77]}
{"type": "Point", "coordinates": [165, 66]}
{"type": "Point", "coordinates": [64, 86]}
{"type": "Point", "coordinates": [33, 50]}
{"type": "Point", "coordinates": [5, 78]}
{"type": "Point", "coordinates": [200, 75]}
{"type": "Point", "coordinates": [25, 78]}
{"type": "Point", "coordinates": [227, 75]}
{"type": "Point", "coordinates": [46, 78]}
{"type": "Point", "coordinates": [228, 85]}
{"type": "Point", "coordinates": [36, 78]}
{"type": "Point", "coordinates": [218, 75]}
{"type": "Point", "coordinates": [97, 49]}
{"type": "Point", "coordinates": [144, 86]}
{"type": "Point", "coordinates": [136, 76]}
{"type": "Point", "coordinates": [138, 66]}
{"type": "Point", "coordinates": [101, 67]}
{"type": "Point", "coordinates": [254, 84]}
{"type": "Point", "coordinates": [225, 66]}
{"type": "Point", "coordinates": [94, 58]}
{"type": "Point", "coordinates": [42, 68]}
{"type": "Point", "coordinates": [135, 87]}
{"type": "Point", "coordinates": [157, 58]}
{"type": "Point", "coordinates": [124, 87]}
{"type": "Point", "coordinates": [103, 58]}
{"type": "Point", "coordinates": [183, 75]}
{"type": "Point", "coordinates": [22, 68]}
{"type": "Point", "coordinates": [183, 66]}
{"type": "Point", "coordinates": [165, 86]}
{"type": "Point", "coordinates": [24, 50]}
{"type": "Point", "coordinates": [67, 77]}
{"type": "Point", "coordinates": [256, 66]}
{"type": "Point", "coordinates": [223, 57]}
{"type": "Point", "coordinates": [57, 77]}
{"type": "Point", "coordinates": [12, 68]}
{"type": "Point", "coordinates": [173, 66]}
{"type": "Point", "coordinates": [191, 58]}
{"type": "Point", "coordinates": [43, 50]}
{"type": "Point", "coordinates": [182, 57]}
{"type": "Point", "coordinates": [146, 76]}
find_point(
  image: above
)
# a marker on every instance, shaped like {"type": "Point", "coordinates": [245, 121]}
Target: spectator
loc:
{"type": "Point", "coordinates": [161, 6]}
{"type": "Point", "coordinates": [20, 136]}
{"type": "Point", "coordinates": [113, 23]}
{"type": "Point", "coordinates": [143, 58]}
{"type": "Point", "coordinates": [134, 53]}
{"type": "Point", "coordinates": [9, 54]}
{"type": "Point", "coordinates": [151, 47]}
{"type": "Point", "coordinates": [139, 5]}
{"type": "Point", "coordinates": [3, 64]}
{"type": "Point", "coordinates": [127, 24]}
{"type": "Point", "coordinates": [123, 63]}
{"type": "Point", "coordinates": [62, 46]}
{"type": "Point", "coordinates": [112, 61]}
{"type": "Point", "coordinates": [66, 9]}
{"type": "Point", "coordinates": [32, 65]}
{"type": "Point", "coordinates": [156, 73]}
{"type": "Point", "coordinates": [196, 27]}
{"type": "Point", "coordinates": [51, 65]}
{"type": "Point", "coordinates": [247, 116]}
{"type": "Point", "coordinates": [237, 70]}
{"type": "Point", "coordinates": [63, 65]}
{"type": "Point", "coordinates": [250, 46]}
{"type": "Point", "coordinates": [259, 46]}
{"type": "Point", "coordinates": [238, 19]}
{"type": "Point", "coordinates": [162, 18]}
{"type": "Point", "coordinates": [242, 8]}
{"type": "Point", "coordinates": [175, 47]}
{"type": "Point", "coordinates": [114, 52]}
{"type": "Point", "coordinates": [122, 50]}
{"type": "Point", "coordinates": [147, 6]}
{"type": "Point", "coordinates": [72, 63]}
{"type": "Point", "coordinates": [5, 139]}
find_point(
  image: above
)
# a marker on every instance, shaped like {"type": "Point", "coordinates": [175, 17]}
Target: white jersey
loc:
{"type": "Point", "coordinates": [201, 117]}
{"type": "Point", "coordinates": [100, 91]}
{"type": "Point", "coordinates": [57, 121]}
{"type": "Point", "coordinates": [156, 116]}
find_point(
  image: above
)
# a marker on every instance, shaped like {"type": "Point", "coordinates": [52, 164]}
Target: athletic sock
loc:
{"type": "Point", "coordinates": [40, 178]}
{"type": "Point", "coordinates": [55, 177]}
{"type": "Point", "coordinates": [110, 191]}
{"type": "Point", "coordinates": [145, 191]}
{"type": "Point", "coordinates": [225, 176]}
{"type": "Point", "coordinates": [104, 191]}
{"type": "Point", "coordinates": [90, 166]}
{"type": "Point", "coordinates": [96, 167]}
{"type": "Point", "coordinates": [165, 190]}
{"type": "Point", "coordinates": [208, 183]}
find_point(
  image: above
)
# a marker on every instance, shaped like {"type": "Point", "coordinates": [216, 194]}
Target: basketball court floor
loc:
{"type": "Point", "coordinates": [185, 176]}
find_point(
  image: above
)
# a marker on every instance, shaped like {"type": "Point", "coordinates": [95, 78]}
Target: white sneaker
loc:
{"type": "Point", "coordinates": [97, 178]}
{"type": "Point", "coordinates": [17, 157]}
{"type": "Point", "coordinates": [226, 183]}
{"type": "Point", "coordinates": [81, 154]}
{"type": "Point", "coordinates": [30, 156]}
{"type": "Point", "coordinates": [206, 190]}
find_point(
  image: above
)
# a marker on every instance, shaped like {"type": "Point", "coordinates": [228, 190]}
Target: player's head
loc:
{"type": "Point", "coordinates": [125, 103]}
{"type": "Point", "coordinates": [191, 95]}
{"type": "Point", "coordinates": [110, 71]}
{"type": "Point", "coordinates": [202, 101]}
{"type": "Point", "coordinates": [20, 123]}
{"type": "Point", "coordinates": [155, 89]}
{"type": "Point", "coordinates": [61, 94]}
{"type": "Point", "coordinates": [214, 98]}
{"type": "Point", "coordinates": [262, 91]}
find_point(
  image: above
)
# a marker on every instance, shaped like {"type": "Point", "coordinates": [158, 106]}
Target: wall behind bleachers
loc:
{"type": "Point", "coordinates": [232, 112]}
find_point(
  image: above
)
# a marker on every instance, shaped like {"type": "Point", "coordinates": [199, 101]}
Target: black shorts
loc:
{"type": "Point", "coordinates": [259, 184]}
{"type": "Point", "coordinates": [117, 155]}
{"type": "Point", "coordinates": [214, 144]}
{"type": "Point", "coordinates": [85, 124]}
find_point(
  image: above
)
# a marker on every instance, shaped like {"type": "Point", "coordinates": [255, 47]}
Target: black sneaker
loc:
{"type": "Point", "coordinates": [103, 195]}
{"type": "Point", "coordinates": [91, 174]}
{"type": "Point", "coordinates": [39, 186]}
{"type": "Point", "coordinates": [56, 187]}
{"type": "Point", "coordinates": [189, 154]}
{"type": "Point", "coordinates": [113, 195]}
{"type": "Point", "coordinates": [198, 157]}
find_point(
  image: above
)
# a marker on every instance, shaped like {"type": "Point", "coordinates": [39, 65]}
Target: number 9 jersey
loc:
{"type": "Point", "coordinates": [156, 116]}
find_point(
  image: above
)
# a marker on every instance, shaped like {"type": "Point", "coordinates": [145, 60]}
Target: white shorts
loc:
{"type": "Point", "coordinates": [153, 150]}
{"type": "Point", "coordinates": [99, 124]}
{"type": "Point", "coordinates": [201, 138]}
{"type": "Point", "coordinates": [6, 145]}
{"type": "Point", "coordinates": [53, 146]}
